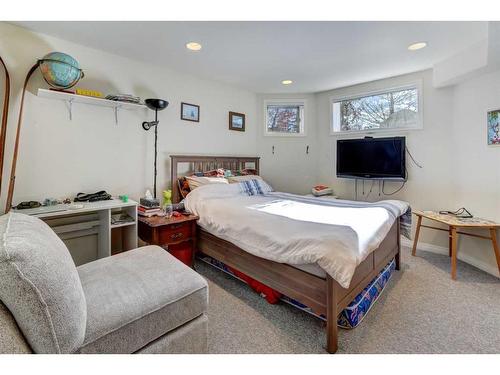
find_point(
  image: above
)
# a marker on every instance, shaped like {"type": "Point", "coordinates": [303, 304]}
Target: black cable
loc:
{"type": "Point", "coordinates": [412, 158]}
{"type": "Point", "coordinates": [461, 212]}
{"type": "Point", "coordinates": [383, 181]}
{"type": "Point", "coordinates": [405, 172]}
{"type": "Point", "coordinates": [394, 192]}
{"type": "Point", "coordinates": [371, 188]}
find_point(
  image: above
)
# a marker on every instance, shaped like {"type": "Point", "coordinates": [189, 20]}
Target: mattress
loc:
{"type": "Point", "coordinates": [311, 268]}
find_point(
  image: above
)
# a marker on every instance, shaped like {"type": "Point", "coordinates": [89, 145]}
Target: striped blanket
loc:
{"type": "Point", "coordinates": [337, 235]}
{"type": "Point", "coordinates": [394, 207]}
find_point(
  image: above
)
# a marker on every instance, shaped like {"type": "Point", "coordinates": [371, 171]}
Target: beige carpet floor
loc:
{"type": "Point", "coordinates": [421, 311]}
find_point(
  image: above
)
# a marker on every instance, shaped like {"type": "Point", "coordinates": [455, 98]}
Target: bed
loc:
{"type": "Point", "coordinates": [313, 288]}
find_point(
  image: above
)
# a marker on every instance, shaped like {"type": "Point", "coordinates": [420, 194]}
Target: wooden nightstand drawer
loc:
{"type": "Point", "coordinates": [176, 233]}
{"type": "Point", "coordinates": [183, 251]}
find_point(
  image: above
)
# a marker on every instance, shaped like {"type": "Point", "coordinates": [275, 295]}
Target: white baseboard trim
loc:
{"type": "Point", "coordinates": [486, 267]}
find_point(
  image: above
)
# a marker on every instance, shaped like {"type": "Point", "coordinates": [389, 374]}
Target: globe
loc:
{"type": "Point", "coordinates": [60, 70]}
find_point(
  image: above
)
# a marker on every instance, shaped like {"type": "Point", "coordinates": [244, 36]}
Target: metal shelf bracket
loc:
{"type": "Point", "coordinates": [70, 104]}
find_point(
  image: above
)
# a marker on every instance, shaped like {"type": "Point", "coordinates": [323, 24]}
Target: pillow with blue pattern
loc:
{"type": "Point", "coordinates": [255, 187]}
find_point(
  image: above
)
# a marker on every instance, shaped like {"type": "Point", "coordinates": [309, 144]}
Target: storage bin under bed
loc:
{"type": "Point", "coordinates": [352, 315]}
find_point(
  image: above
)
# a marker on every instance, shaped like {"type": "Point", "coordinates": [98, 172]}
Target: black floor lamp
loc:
{"type": "Point", "coordinates": [156, 105]}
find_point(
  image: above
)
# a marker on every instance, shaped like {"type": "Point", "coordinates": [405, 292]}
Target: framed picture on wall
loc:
{"type": "Point", "coordinates": [190, 112]}
{"type": "Point", "coordinates": [236, 121]}
{"type": "Point", "coordinates": [493, 124]}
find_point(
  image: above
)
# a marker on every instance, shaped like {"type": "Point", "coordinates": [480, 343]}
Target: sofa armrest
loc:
{"type": "Point", "coordinates": [12, 340]}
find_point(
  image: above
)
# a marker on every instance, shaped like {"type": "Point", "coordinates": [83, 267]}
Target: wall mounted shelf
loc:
{"type": "Point", "coordinates": [73, 98]}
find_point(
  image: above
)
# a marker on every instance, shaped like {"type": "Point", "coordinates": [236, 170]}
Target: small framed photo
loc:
{"type": "Point", "coordinates": [236, 121]}
{"type": "Point", "coordinates": [190, 112]}
{"type": "Point", "coordinates": [494, 127]}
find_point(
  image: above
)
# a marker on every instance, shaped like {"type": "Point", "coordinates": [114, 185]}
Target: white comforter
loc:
{"type": "Point", "coordinates": [293, 232]}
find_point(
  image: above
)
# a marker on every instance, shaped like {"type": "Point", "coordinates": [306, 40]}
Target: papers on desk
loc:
{"type": "Point", "coordinates": [121, 218]}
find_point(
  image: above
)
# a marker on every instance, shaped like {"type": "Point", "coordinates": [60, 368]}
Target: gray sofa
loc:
{"type": "Point", "coordinates": [140, 301]}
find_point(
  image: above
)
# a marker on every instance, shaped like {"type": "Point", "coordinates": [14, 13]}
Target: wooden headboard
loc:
{"type": "Point", "coordinates": [201, 163]}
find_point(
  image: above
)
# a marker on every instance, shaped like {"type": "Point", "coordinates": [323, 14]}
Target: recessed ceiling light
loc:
{"type": "Point", "coordinates": [193, 46]}
{"type": "Point", "coordinates": [417, 46]}
{"type": "Point", "coordinates": [287, 82]}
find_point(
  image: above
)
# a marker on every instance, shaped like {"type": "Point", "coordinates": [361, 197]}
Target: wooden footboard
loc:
{"type": "Point", "coordinates": [324, 296]}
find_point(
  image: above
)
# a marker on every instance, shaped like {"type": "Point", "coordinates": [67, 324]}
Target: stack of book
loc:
{"type": "Point", "coordinates": [148, 211]}
{"type": "Point", "coordinates": [124, 98]}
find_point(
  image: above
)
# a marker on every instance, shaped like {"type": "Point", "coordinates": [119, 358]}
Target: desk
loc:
{"type": "Point", "coordinates": [454, 224]}
{"type": "Point", "coordinates": [91, 218]}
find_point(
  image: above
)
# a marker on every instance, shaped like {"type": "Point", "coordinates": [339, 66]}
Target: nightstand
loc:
{"type": "Point", "coordinates": [177, 235]}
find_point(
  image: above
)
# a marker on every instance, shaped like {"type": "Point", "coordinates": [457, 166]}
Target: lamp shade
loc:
{"type": "Point", "coordinates": [156, 104]}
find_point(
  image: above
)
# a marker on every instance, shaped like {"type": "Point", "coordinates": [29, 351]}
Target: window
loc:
{"type": "Point", "coordinates": [392, 109]}
{"type": "Point", "coordinates": [284, 118]}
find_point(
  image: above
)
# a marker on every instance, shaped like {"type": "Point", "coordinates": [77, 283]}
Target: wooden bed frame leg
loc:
{"type": "Point", "coordinates": [331, 317]}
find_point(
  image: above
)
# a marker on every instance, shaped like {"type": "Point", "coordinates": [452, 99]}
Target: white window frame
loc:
{"type": "Point", "coordinates": [286, 102]}
{"type": "Point", "coordinates": [420, 114]}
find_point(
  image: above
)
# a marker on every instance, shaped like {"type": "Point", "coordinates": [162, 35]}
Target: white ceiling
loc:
{"type": "Point", "coordinates": [257, 56]}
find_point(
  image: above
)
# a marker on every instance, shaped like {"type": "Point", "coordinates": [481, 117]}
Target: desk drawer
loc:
{"type": "Point", "coordinates": [176, 233]}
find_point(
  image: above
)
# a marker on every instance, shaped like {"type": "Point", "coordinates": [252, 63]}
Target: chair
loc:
{"type": "Point", "coordinates": [140, 301]}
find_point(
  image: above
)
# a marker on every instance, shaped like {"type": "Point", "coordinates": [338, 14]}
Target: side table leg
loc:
{"type": "Point", "coordinates": [494, 241]}
{"type": "Point", "coordinates": [449, 242]}
{"type": "Point", "coordinates": [453, 253]}
{"type": "Point", "coordinates": [417, 232]}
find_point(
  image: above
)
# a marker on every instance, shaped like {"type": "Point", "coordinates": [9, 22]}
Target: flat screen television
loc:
{"type": "Point", "coordinates": [372, 158]}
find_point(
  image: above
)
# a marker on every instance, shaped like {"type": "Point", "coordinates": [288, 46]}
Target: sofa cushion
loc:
{"type": "Point", "coordinates": [190, 338]}
{"type": "Point", "coordinates": [135, 297]}
{"type": "Point", "coordinates": [11, 338]}
{"type": "Point", "coordinates": [40, 286]}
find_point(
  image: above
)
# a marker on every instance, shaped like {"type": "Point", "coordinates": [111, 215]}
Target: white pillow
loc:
{"type": "Point", "coordinates": [195, 181]}
{"type": "Point", "coordinates": [248, 177]}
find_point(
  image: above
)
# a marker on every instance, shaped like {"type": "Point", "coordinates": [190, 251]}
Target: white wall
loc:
{"type": "Point", "coordinates": [476, 166]}
{"type": "Point", "coordinates": [459, 169]}
{"type": "Point", "coordinates": [59, 157]}
{"type": "Point", "coordinates": [289, 168]}
{"type": "Point", "coordinates": [427, 188]}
